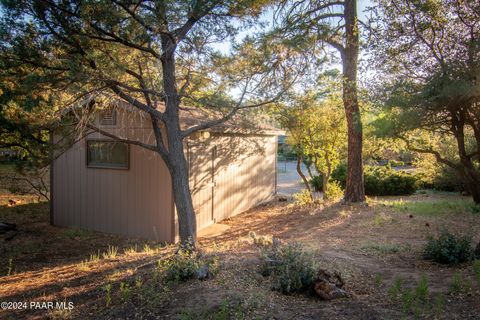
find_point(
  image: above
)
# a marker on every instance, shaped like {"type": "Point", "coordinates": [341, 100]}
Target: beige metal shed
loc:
{"type": "Point", "coordinates": [102, 185]}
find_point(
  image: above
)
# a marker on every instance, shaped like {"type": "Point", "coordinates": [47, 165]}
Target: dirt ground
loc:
{"type": "Point", "coordinates": [372, 246]}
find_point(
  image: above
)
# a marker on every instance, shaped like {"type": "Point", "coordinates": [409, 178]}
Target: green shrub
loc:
{"type": "Point", "coordinates": [188, 264]}
{"type": "Point", "coordinates": [334, 191]}
{"type": "Point", "coordinates": [291, 268]}
{"type": "Point", "coordinates": [302, 198]}
{"type": "Point", "coordinates": [381, 180]}
{"type": "Point", "coordinates": [448, 248]}
{"type": "Point", "coordinates": [340, 174]}
{"type": "Point", "coordinates": [395, 163]}
{"type": "Point", "coordinates": [317, 183]}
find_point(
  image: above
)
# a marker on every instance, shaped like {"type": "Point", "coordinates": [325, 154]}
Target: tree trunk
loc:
{"type": "Point", "coordinates": [324, 183]}
{"type": "Point", "coordinates": [300, 173]}
{"type": "Point", "coordinates": [176, 161]}
{"type": "Point", "coordinates": [355, 191]}
{"type": "Point", "coordinates": [182, 196]}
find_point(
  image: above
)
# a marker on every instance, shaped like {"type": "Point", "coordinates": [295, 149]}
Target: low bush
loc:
{"type": "Point", "coordinates": [396, 163]}
{"type": "Point", "coordinates": [340, 174]}
{"type": "Point", "coordinates": [449, 248]}
{"type": "Point", "coordinates": [334, 191]}
{"type": "Point", "coordinates": [317, 183]}
{"type": "Point", "coordinates": [381, 180]}
{"type": "Point", "coordinates": [302, 198]}
{"type": "Point", "coordinates": [291, 269]}
{"type": "Point", "coordinates": [189, 264]}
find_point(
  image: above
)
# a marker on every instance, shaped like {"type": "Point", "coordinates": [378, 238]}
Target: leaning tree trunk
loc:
{"type": "Point", "coordinates": [355, 191]}
{"type": "Point", "coordinates": [176, 161]}
{"type": "Point", "coordinates": [302, 175]}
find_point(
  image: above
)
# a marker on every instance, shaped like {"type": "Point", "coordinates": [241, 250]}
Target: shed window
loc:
{"type": "Point", "coordinates": [108, 117]}
{"type": "Point", "coordinates": [107, 154]}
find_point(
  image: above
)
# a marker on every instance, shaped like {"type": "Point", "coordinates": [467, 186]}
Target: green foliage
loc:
{"type": "Point", "coordinates": [435, 207]}
{"type": "Point", "coordinates": [125, 291]}
{"type": "Point", "coordinates": [188, 264]}
{"type": "Point", "coordinates": [108, 297]}
{"type": "Point", "coordinates": [111, 252]}
{"type": "Point", "coordinates": [378, 279]}
{"type": "Point", "coordinates": [396, 163]}
{"type": "Point", "coordinates": [459, 284]}
{"type": "Point", "coordinates": [421, 291]}
{"type": "Point", "coordinates": [302, 198]}
{"type": "Point", "coordinates": [448, 248]}
{"type": "Point", "coordinates": [291, 269]}
{"type": "Point", "coordinates": [395, 289]}
{"type": "Point", "coordinates": [380, 180]}
{"type": "Point", "coordinates": [317, 183]}
{"type": "Point", "coordinates": [334, 191]}
{"type": "Point", "coordinates": [340, 174]}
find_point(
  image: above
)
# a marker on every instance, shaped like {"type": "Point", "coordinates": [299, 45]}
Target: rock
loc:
{"type": "Point", "coordinates": [203, 273]}
{"type": "Point", "coordinates": [329, 286]}
{"type": "Point", "coordinates": [476, 253]}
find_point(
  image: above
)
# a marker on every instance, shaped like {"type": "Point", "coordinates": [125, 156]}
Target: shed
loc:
{"type": "Point", "coordinates": [103, 185]}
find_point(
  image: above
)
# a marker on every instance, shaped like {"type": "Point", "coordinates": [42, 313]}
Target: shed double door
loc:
{"type": "Point", "coordinates": [202, 183]}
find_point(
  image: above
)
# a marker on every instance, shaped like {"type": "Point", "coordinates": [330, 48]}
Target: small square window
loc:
{"type": "Point", "coordinates": [108, 117]}
{"type": "Point", "coordinates": [107, 154]}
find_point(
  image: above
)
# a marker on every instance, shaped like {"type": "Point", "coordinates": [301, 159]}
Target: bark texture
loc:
{"type": "Point", "coordinates": [355, 191]}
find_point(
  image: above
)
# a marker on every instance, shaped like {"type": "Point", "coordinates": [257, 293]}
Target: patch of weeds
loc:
{"type": "Point", "coordinates": [378, 279]}
{"type": "Point", "coordinates": [130, 250]}
{"type": "Point", "coordinates": [260, 241]}
{"type": "Point", "coordinates": [396, 289]}
{"type": "Point", "coordinates": [414, 300]}
{"type": "Point", "coordinates": [408, 299]}
{"type": "Point", "coordinates": [138, 282]}
{"type": "Point", "coordinates": [438, 305]}
{"type": "Point", "coordinates": [476, 271]}
{"type": "Point", "coordinates": [125, 291]}
{"type": "Point", "coordinates": [386, 248]}
{"type": "Point", "coordinates": [459, 284]}
{"type": "Point", "coordinates": [291, 268]}
{"type": "Point", "coordinates": [433, 208]}
{"type": "Point", "coordinates": [449, 248]}
{"type": "Point", "coordinates": [108, 297]}
{"type": "Point", "coordinates": [95, 257]}
{"type": "Point", "coordinates": [147, 249]}
{"type": "Point", "coordinates": [152, 295]}
{"type": "Point", "coordinates": [111, 252]}
{"type": "Point", "coordinates": [84, 266]}
{"type": "Point", "coordinates": [10, 267]}
{"type": "Point", "coordinates": [421, 291]}
{"type": "Point", "coordinates": [189, 264]}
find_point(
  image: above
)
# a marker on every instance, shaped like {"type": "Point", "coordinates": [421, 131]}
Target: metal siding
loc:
{"type": "Point", "coordinates": [134, 202]}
